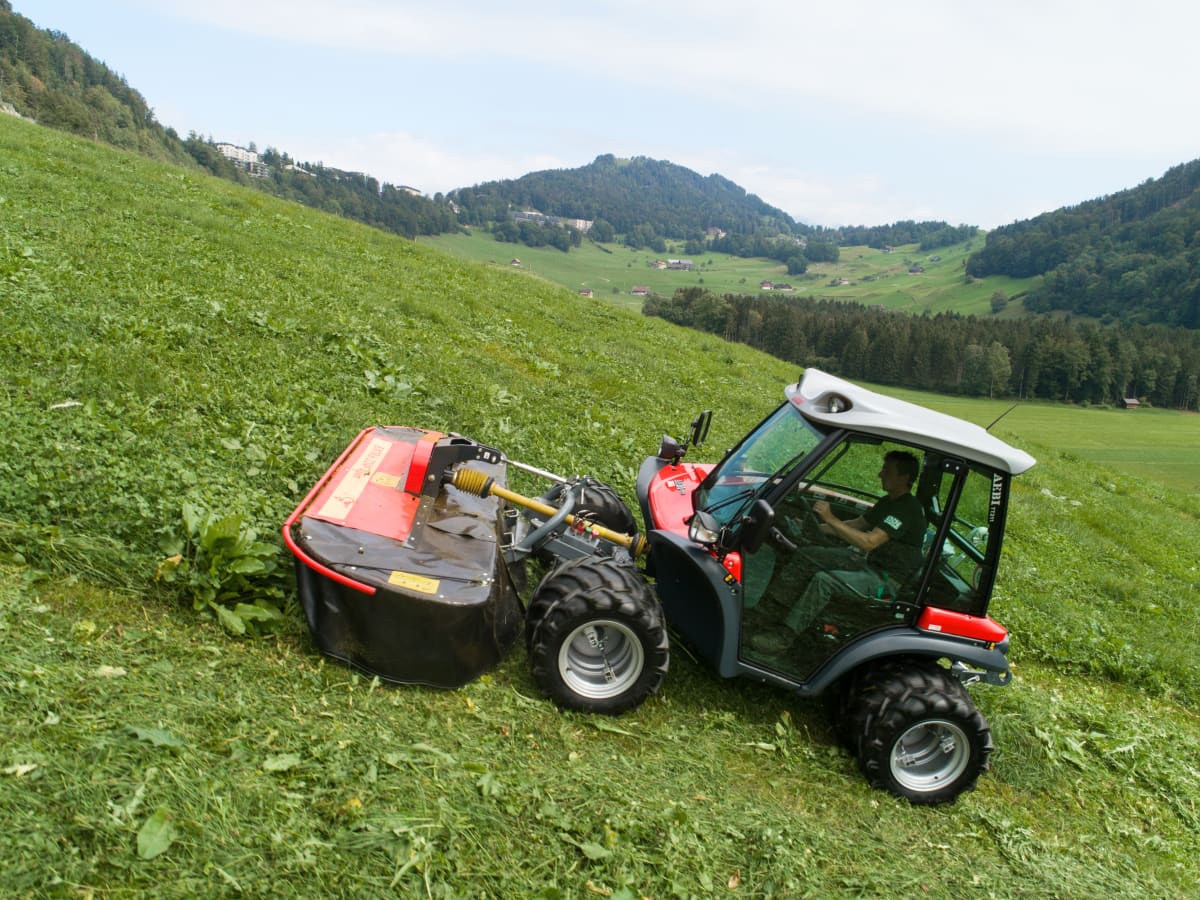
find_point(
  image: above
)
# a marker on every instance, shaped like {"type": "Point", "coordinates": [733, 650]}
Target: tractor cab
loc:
{"type": "Point", "coordinates": [750, 573]}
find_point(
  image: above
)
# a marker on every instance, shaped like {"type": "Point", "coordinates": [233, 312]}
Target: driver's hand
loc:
{"type": "Point", "coordinates": [821, 508]}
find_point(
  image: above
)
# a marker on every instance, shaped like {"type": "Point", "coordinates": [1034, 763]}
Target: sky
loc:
{"type": "Point", "coordinates": [855, 112]}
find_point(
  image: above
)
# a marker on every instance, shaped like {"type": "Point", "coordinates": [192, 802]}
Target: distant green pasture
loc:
{"type": "Point", "coordinates": [873, 277]}
{"type": "Point", "coordinates": [1148, 443]}
{"type": "Point", "coordinates": [1156, 444]}
{"type": "Point", "coordinates": [613, 272]}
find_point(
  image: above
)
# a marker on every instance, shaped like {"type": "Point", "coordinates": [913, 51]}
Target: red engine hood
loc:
{"type": "Point", "coordinates": [670, 496]}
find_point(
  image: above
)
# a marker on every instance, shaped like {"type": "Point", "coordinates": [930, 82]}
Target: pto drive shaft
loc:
{"type": "Point", "coordinates": [475, 482]}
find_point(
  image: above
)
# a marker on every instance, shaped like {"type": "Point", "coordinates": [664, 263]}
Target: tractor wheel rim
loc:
{"type": "Point", "coordinates": [601, 659]}
{"type": "Point", "coordinates": [930, 755]}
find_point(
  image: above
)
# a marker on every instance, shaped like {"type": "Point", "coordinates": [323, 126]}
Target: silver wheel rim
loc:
{"type": "Point", "coordinates": [600, 659]}
{"type": "Point", "coordinates": [930, 755]}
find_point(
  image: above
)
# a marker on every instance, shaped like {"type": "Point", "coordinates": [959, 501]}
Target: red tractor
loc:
{"type": "Point", "coordinates": [846, 548]}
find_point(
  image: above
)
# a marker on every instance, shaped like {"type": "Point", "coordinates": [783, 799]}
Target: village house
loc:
{"type": "Point", "coordinates": [538, 218]}
{"type": "Point", "coordinates": [247, 160]}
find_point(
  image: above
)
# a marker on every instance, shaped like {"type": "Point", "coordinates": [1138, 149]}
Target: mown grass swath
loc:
{"type": "Point", "coordinates": [172, 342]}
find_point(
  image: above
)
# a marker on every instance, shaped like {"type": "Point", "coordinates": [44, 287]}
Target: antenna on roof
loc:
{"type": "Point", "coordinates": [1001, 416]}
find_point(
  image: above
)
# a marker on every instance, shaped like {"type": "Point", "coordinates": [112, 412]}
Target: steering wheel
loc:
{"type": "Point", "coordinates": [806, 526]}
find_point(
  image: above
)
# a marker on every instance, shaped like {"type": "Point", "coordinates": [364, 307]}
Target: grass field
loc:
{"type": "Point", "coordinates": [875, 278]}
{"type": "Point", "coordinates": [1154, 444]}
{"type": "Point", "coordinates": [168, 340]}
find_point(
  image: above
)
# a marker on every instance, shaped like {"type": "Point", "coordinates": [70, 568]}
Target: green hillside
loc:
{"type": "Point", "coordinates": [170, 339]}
{"type": "Point", "coordinates": [1128, 257]}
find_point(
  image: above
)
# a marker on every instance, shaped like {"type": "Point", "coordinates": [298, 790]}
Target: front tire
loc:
{"type": "Point", "coordinates": [917, 733]}
{"type": "Point", "coordinates": [599, 643]}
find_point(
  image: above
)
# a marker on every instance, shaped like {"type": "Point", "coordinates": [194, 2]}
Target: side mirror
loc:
{"type": "Point", "coordinates": [756, 524]}
{"type": "Point", "coordinates": [699, 428]}
{"type": "Point", "coordinates": [670, 450]}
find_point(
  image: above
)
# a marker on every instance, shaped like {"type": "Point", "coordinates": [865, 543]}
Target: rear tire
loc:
{"type": "Point", "coordinates": [917, 733]}
{"type": "Point", "coordinates": [599, 641]}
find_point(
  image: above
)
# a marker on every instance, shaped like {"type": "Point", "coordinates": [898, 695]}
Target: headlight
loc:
{"type": "Point", "coordinates": [704, 529]}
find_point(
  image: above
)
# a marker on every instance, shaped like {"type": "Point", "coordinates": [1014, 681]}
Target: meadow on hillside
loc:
{"type": "Point", "coordinates": [872, 277]}
{"type": "Point", "coordinates": [168, 339]}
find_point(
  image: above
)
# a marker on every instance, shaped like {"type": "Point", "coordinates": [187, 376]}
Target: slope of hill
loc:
{"type": "Point", "coordinates": [1130, 256]}
{"type": "Point", "coordinates": [169, 338]}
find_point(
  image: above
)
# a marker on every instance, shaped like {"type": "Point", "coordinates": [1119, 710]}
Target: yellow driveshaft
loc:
{"type": "Point", "coordinates": [480, 484]}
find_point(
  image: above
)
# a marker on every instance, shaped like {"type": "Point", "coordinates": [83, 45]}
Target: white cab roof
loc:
{"type": "Point", "coordinates": [833, 401]}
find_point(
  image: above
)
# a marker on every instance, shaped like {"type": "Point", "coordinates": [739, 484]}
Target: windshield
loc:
{"type": "Point", "coordinates": [766, 454]}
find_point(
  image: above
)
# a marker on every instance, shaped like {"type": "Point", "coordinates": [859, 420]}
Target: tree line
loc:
{"type": "Point", "coordinates": [1052, 358]}
{"type": "Point", "coordinates": [927, 235]}
{"type": "Point", "coordinates": [352, 195]}
{"type": "Point", "coordinates": [47, 78]}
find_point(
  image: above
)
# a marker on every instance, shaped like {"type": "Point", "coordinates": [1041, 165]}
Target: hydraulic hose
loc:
{"type": "Point", "coordinates": [482, 485]}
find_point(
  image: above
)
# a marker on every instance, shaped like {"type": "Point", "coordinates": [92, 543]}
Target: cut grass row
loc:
{"type": "Point", "coordinates": [278, 772]}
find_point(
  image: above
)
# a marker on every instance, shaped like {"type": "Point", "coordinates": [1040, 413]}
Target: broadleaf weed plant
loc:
{"type": "Point", "coordinates": [219, 564]}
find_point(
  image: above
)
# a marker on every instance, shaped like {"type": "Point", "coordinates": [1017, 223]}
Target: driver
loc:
{"type": "Point", "coordinates": [884, 550]}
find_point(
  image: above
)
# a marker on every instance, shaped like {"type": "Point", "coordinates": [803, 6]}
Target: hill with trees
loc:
{"type": "Point", "coordinates": [647, 202]}
{"type": "Point", "coordinates": [653, 199]}
{"type": "Point", "coordinates": [45, 77]}
{"type": "Point", "coordinates": [1133, 256]}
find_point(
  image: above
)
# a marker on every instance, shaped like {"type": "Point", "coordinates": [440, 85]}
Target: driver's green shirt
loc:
{"type": "Point", "coordinates": [904, 523]}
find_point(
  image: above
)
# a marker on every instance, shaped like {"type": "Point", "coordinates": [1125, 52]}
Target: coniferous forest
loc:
{"type": "Point", "coordinates": [1052, 358]}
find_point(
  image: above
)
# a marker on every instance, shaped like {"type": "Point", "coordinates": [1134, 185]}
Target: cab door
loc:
{"type": "Point", "coordinates": [806, 593]}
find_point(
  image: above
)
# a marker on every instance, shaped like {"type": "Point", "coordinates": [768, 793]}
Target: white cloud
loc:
{"type": "Point", "coordinates": [1068, 74]}
{"type": "Point", "coordinates": [863, 111]}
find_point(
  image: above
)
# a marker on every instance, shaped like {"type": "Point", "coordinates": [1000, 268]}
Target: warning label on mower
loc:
{"type": "Point", "coordinates": [418, 583]}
